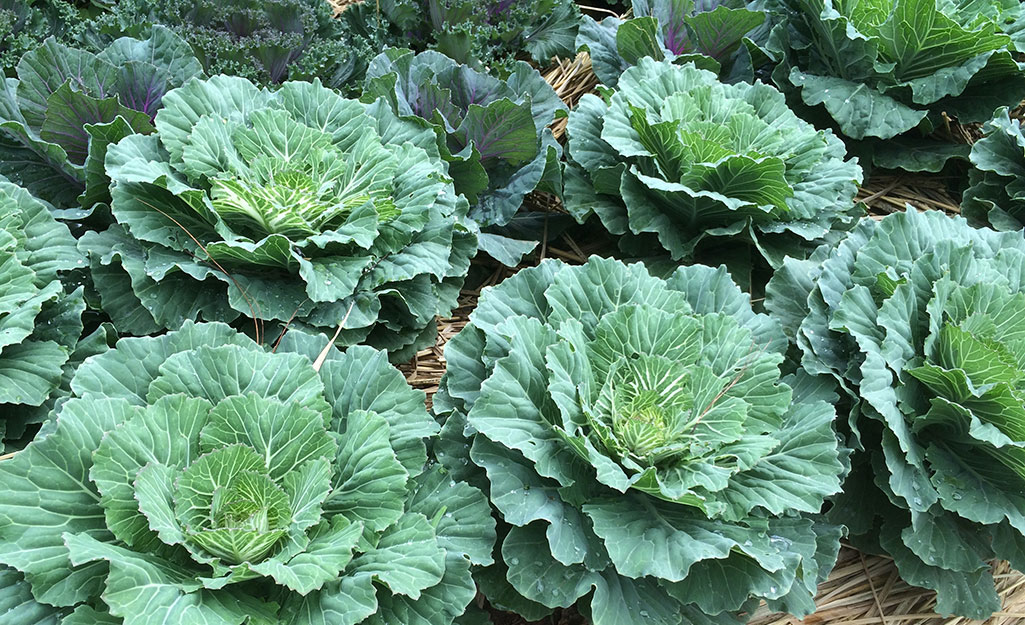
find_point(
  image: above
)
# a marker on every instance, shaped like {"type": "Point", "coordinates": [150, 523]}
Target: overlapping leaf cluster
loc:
{"type": "Point", "coordinates": [922, 319]}
{"type": "Point", "coordinates": [675, 159]}
{"type": "Point", "coordinates": [636, 437]}
{"type": "Point", "coordinates": [197, 478]}
{"type": "Point", "coordinates": [883, 68]}
{"type": "Point", "coordinates": [722, 37]}
{"type": "Point", "coordinates": [296, 206]}
{"type": "Point", "coordinates": [67, 105]}
{"type": "Point", "coordinates": [493, 133]}
{"type": "Point", "coordinates": [996, 195]}
{"type": "Point", "coordinates": [40, 319]}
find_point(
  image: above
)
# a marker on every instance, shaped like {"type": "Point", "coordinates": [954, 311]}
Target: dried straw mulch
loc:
{"type": "Point", "coordinates": [867, 590]}
{"type": "Point", "coordinates": [571, 81]}
{"type": "Point", "coordinates": [887, 194]}
{"type": "Point", "coordinates": [341, 5]}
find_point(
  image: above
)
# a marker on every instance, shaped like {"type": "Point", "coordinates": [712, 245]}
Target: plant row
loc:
{"type": "Point", "coordinates": [220, 227]}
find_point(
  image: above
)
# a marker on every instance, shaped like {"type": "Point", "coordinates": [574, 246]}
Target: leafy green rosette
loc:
{"type": "Point", "coordinates": [297, 206]}
{"type": "Point", "coordinates": [922, 319]}
{"type": "Point", "coordinates": [674, 159]}
{"type": "Point", "coordinates": [196, 478]}
{"type": "Point", "coordinates": [646, 458]}
{"type": "Point", "coordinates": [900, 70]}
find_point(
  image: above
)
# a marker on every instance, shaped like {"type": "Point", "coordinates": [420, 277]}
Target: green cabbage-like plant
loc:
{"type": "Point", "coordinates": [886, 69]}
{"type": "Point", "coordinates": [197, 478]}
{"type": "Point", "coordinates": [674, 159]}
{"type": "Point", "coordinates": [722, 36]}
{"type": "Point", "coordinates": [996, 195]}
{"type": "Point", "coordinates": [637, 439]}
{"type": "Point", "coordinates": [493, 133]}
{"type": "Point", "coordinates": [296, 205]}
{"type": "Point", "coordinates": [921, 318]}
{"type": "Point", "coordinates": [266, 41]}
{"type": "Point", "coordinates": [41, 329]}
{"type": "Point", "coordinates": [68, 105]}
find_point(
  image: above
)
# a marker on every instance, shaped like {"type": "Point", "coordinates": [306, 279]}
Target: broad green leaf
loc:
{"type": "Point", "coordinates": [369, 483]}
{"type": "Point", "coordinates": [407, 557]}
{"type": "Point", "coordinates": [459, 512]}
{"type": "Point", "coordinates": [165, 434]}
{"type": "Point", "coordinates": [286, 436]}
{"type": "Point", "coordinates": [327, 554]}
{"type": "Point", "coordinates": [141, 588]}
{"type": "Point", "coordinates": [46, 491]}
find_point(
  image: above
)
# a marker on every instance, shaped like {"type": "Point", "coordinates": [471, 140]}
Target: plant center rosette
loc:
{"type": "Point", "coordinates": [674, 159]}
{"type": "Point", "coordinates": [197, 478]}
{"type": "Point", "coordinates": [637, 439]}
{"type": "Point", "coordinates": [922, 319]}
{"type": "Point", "coordinates": [294, 206]}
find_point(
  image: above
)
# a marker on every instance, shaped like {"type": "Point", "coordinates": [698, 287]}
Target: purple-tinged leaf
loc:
{"type": "Point", "coordinates": [68, 111]}
{"type": "Point", "coordinates": [434, 99]}
{"type": "Point", "coordinates": [42, 71]}
{"type": "Point", "coordinates": [718, 33]}
{"type": "Point", "coordinates": [142, 87]}
{"type": "Point", "coordinates": [470, 87]}
{"type": "Point", "coordinates": [502, 130]}
{"type": "Point", "coordinates": [670, 14]}
{"type": "Point", "coordinates": [164, 50]}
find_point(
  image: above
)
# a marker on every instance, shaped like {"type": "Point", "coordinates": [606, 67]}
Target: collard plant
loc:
{"type": "Point", "coordinates": [40, 319]}
{"type": "Point", "coordinates": [297, 206]}
{"type": "Point", "coordinates": [921, 318]}
{"type": "Point", "coordinates": [197, 478]}
{"type": "Point", "coordinates": [899, 70]}
{"type": "Point", "coordinates": [647, 459]}
{"type": "Point", "coordinates": [996, 196]}
{"type": "Point", "coordinates": [674, 159]}
{"type": "Point", "coordinates": [485, 34]}
{"type": "Point", "coordinates": [68, 105]}
{"type": "Point", "coordinates": [725, 37]}
{"type": "Point", "coordinates": [493, 133]}
{"type": "Point", "coordinates": [266, 41]}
